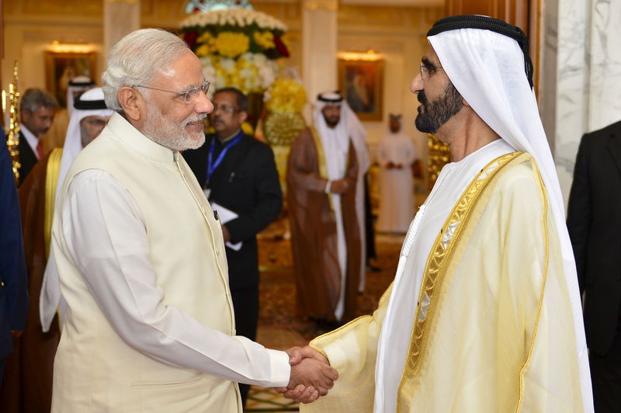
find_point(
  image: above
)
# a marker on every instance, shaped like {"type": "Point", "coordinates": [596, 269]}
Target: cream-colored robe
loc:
{"type": "Point", "coordinates": [493, 330]}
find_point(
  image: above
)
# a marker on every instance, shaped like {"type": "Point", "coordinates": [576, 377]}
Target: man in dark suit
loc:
{"type": "Point", "coordinates": [594, 222]}
{"type": "Point", "coordinates": [36, 108]}
{"type": "Point", "coordinates": [13, 290]}
{"type": "Point", "coordinates": [238, 174]}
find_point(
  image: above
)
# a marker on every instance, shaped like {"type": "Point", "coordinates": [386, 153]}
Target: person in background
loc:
{"type": "Point", "coordinates": [239, 177]}
{"type": "Point", "coordinates": [594, 221]}
{"type": "Point", "coordinates": [13, 279]}
{"type": "Point", "coordinates": [396, 154]}
{"type": "Point", "coordinates": [28, 377]}
{"type": "Point", "coordinates": [322, 177]}
{"type": "Point", "coordinates": [36, 110]}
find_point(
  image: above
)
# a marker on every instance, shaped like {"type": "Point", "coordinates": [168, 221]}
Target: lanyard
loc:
{"type": "Point", "coordinates": [211, 165]}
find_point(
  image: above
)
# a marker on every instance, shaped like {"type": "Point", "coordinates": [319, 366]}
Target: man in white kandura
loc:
{"type": "Point", "coordinates": [484, 312]}
{"type": "Point", "coordinates": [149, 323]}
{"type": "Point", "coordinates": [396, 153]}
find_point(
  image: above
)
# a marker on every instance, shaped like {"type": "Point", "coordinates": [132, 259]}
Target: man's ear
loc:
{"type": "Point", "coordinates": [132, 103]}
{"type": "Point", "coordinates": [242, 116]}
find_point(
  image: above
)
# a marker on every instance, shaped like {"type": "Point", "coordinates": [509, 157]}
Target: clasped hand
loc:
{"type": "Point", "coordinates": [311, 375]}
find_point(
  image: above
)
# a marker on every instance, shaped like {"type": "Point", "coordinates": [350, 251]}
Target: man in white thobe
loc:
{"type": "Point", "coordinates": [149, 324]}
{"type": "Point", "coordinates": [395, 154]}
{"type": "Point", "coordinates": [484, 314]}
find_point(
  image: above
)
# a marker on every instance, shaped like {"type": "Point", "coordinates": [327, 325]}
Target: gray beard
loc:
{"type": "Point", "coordinates": [168, 134]}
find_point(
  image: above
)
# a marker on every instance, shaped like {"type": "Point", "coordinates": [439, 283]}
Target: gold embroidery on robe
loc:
{"type": "Point", "coordinates": [436, 268]}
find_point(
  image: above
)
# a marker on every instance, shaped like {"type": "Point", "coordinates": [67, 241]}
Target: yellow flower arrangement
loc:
{"type": "Point", "coordinates": [285, 102]}
{"type": "Point", "coordinates": [286, 95]}
{"type": "Point", "coordinates": [203, 50]}
{"type": "Point", "coordinates": [231, 44]}
{"type": "Point", "coordinates": [205, 38]}
{"type": "Point", "coordinates": [238, 46]}
{"type": "Point", "coordinates": [264, 39]}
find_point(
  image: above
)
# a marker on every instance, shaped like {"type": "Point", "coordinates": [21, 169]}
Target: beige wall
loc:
{"type": "Point", "coordinates": [399, 34]}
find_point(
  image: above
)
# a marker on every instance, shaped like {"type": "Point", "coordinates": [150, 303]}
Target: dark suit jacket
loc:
{"type": "Point", "coordinates": [13, 286]}
{"type": "Point", "coordinates": [594, 223]}
{"type": "Point", "coordinates": [27, 158]}
{"type": "Point", "coordinates": [246, 182]}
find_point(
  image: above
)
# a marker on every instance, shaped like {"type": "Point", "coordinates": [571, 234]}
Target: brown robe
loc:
{"type": "Point", "coordinates": [313, 231]}
{"type": "Point", "coordinates": [27, 385]}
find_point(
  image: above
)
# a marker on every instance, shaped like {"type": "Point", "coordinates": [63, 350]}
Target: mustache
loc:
{"type": "Point", "coordinates": [422, 98]}
{"type": "Point", "coordinates": [195, 118]}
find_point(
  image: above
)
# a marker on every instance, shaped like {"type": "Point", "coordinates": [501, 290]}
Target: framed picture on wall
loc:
{"type": "Point", "coordinates": [61, 67]}
{"type": "Point", "coordinates": [362, 84]}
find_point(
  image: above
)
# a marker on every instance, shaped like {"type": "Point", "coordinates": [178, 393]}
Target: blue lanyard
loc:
{"type": "Point", "coordinates": [211, 165]}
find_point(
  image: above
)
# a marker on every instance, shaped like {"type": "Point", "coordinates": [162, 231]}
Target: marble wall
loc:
{"type": "Point", "coordinates": [581, 75]}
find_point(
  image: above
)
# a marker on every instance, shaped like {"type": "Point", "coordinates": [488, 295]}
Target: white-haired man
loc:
{"type": "Point", "coordinates": [149, 323]}
{"type": "Point", "coordinates": [484, 313]}
{"type": "Point", "coordinates": [322, 177]}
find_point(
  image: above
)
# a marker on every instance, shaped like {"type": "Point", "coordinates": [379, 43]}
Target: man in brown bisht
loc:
{"type": "Point", "coordinates": [321, 195]}
{"type": "Point", "coordinates": [27, 383]}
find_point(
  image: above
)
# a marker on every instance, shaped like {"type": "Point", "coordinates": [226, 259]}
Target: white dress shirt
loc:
{"type": "Point", "coordinates": [32, 140]}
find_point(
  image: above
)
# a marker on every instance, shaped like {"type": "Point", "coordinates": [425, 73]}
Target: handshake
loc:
{"type": "Point", "coordinates": [311, 375]}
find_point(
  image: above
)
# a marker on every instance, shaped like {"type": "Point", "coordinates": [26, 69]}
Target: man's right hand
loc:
{"type": "Point", "coordinates": [311, 372]}
{"type": "Point", "coordinates": [339, 186]}
{"type": "Point", "coordinates": [311, 375]}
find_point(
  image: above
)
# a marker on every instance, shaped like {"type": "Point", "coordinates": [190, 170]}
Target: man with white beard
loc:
{"type": "Point", "coordinates": [149, 321]}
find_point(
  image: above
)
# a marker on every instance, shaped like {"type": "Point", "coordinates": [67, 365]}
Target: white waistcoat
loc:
{"type": "Point", "coordinates": [95, 370]}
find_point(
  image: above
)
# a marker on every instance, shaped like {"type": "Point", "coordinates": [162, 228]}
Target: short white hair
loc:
{"type": "Point", "coordinates": [135, 58]}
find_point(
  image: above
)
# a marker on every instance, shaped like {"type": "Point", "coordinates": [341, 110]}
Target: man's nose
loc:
{"type": "Point", "coordinates": [417, 84]}
{"type": "Point", "coordinates": [203, 104]}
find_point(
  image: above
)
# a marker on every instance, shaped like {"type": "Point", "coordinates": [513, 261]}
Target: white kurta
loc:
{"type": "Point", "coordinates": [397, 184]}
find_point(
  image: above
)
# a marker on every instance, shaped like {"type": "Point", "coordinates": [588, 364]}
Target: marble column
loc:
{"type": "Point", "coordinates": [581, 76]}
{"type": "Point", "coordinates": [120, 18]}
{"type": "Point", "coordinates": [319, 43]}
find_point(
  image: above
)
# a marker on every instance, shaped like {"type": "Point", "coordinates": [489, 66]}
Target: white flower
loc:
{"type": "Point", "coordinates": [268, 74]}
{"type": "Point", "coordinates": [239, 17]}
{"type": "Point", "coordinates": [209, 72]}
{"type": "Point", "coordinates": [260, 59]}
{"type": "Point", "coordinates": [227, 64]}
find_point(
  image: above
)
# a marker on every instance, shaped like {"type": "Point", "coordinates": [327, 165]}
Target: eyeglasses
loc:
{"type": "Point", "coordinates": [186, 96]}
{"type": "Point", "coordinates": [224, 108]}
{"type": "Point", "coordinates": [428, 69]}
